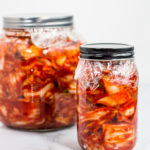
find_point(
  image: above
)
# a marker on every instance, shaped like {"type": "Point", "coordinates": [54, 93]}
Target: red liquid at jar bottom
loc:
{"type": "Point", "coordinates": [107, 137]}
{"type": "Point", "coordinates": [37, 90]}
{"type": "Point", "coordinates": [39, 115]}
{"type": "Point", "coordinates": [107, 106]}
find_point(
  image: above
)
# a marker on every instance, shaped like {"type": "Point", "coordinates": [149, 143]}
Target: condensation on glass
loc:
{"type": "Point", "coordinates": [107, 89]}
{"type": "Point", "coordinates": [38, 57]}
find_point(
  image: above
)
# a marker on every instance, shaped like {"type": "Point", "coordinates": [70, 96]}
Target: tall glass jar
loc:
{"type": "Point", "coordinates": [38, 58]}
{"type": "Point", "coordinates": [107, 88]}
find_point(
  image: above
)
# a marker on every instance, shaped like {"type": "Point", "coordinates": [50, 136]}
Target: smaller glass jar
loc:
{"type": "Point", "coordinates": [107, 89]}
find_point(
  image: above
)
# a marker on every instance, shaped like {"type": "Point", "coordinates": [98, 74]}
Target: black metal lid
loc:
{"type": "Point", "coordinates": [22, 21]}
{"type": "Point", "coordinates": [105, 51]}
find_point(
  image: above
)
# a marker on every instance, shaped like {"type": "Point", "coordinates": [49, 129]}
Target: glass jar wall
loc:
{"type": "Point", "coordinates": [38, 58]}
{"type": "Point", "coordinates": [107, 88]}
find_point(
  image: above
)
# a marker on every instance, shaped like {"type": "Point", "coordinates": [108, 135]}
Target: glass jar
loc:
{"type": "Point", "coordinates": [38, 58]}
{"type": "Point", "coordinates": [107, 88]}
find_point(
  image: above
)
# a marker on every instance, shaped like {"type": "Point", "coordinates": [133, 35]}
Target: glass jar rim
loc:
{"type": "Point", "coordinates": [106, 51]}
{"type": "Point", "coordinates": [36, 20]}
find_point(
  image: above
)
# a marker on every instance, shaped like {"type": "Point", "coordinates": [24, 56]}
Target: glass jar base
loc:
{"type": "Point", "coordinates": [40, 130]}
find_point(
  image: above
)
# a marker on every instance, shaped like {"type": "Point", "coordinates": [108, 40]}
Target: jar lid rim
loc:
{"type": "Point", "coordinates": [106, 51]}
{"type": "Point", "coordinates": [34, 20]}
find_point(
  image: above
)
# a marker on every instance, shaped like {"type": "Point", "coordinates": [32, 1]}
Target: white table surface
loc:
{"type": "Point", "coordinates": [67, 139]}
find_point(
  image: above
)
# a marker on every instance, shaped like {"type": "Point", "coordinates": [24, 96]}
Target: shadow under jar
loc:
{"type": "Point", "coordinates": [107, 88]}
{"type": "Point", "coordinates": [38, 58]}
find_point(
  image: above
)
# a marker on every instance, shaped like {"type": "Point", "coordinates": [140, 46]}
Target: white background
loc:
{"type": "Point", "coordinates": [126, 21]}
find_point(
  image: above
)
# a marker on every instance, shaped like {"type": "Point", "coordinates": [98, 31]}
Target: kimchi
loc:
{"type": "Point", "coordinates": [107, 89]}
{"type": "Point", "coordinates": [37, 65]}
